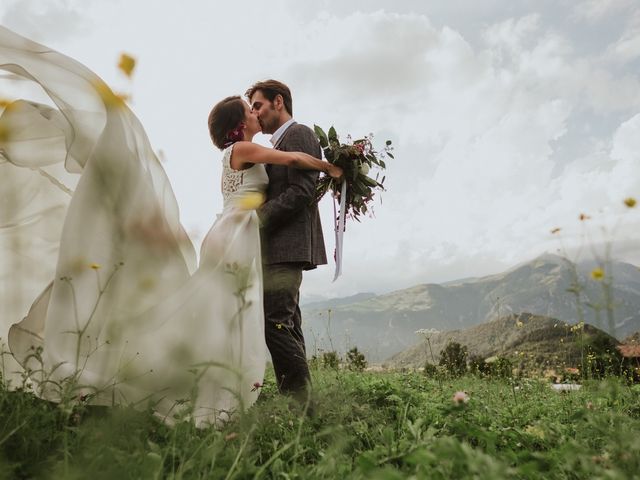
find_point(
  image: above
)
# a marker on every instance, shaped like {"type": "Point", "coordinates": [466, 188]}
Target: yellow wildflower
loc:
{"type": "Point", "coordinates": [597, 273]}
{"type": "Point", "coordinates": [95, 266]}
{"type": "Point", "coordinates": [251, 200]}
{"type": "Point", "coordinates": [279, 326]}
{"type": "Point", "coordinates": [106, 94]}
{"type": "Point", "coordinates": [535, 431]}
{"type": "Point", "coordinates": [126, 64]}
{"type": "Point", "coordinates": [124, 97]}
{"type": "Point", "coordinates": [630, 202]}
{"type": "Point", "coordinates": [519, 324]}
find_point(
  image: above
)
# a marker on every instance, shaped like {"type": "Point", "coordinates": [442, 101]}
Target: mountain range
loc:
{"type": "Point", "coordinates": [383, 325]}
{"type": "Point", "coordinates": [523, 337]}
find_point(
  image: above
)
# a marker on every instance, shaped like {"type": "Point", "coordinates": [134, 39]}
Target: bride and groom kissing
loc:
{"type": "Point", "coordinates": [118, 310]}
{"type": "Point", "coordinates": [291, 232]}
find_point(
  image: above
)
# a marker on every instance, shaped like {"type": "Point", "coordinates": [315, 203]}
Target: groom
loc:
{"type": "Point", "coordinates": [291, 235]}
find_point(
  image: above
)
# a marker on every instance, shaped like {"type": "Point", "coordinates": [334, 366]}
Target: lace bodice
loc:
{"type": "Point", "coordinates": [235, 183]}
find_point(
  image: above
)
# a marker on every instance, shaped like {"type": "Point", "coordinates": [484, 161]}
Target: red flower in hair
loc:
{"type": "Point", "coordinates": [235, 135]}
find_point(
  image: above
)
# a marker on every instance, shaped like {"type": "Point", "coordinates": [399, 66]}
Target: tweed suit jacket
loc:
{"type": "Point", "coordinates": [291, 231]}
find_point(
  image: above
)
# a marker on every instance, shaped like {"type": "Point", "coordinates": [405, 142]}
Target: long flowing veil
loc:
{"type": "Point", "coordinates": [88, 220]}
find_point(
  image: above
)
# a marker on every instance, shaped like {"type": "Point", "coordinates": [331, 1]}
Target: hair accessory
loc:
{"type": "Point", "coordinates": [235, 135]}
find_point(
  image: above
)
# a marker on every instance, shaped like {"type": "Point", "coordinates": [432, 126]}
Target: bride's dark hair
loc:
{"type": "Point", "coordinates": [225, 121]}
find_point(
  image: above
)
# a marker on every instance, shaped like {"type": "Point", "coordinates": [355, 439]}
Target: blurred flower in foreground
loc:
{"type": "Point", "coordinates": [109, 98]}
{"type": "Point", "coordinates": [126, 64]}
{"type": "Point", "coordinates": [95, 266]}
{"type": "Point", "coordinates": [555, 230]}
{"type": "Point", "coordinates": [460, 398]}
{"type": "Point", "coordinates": [123, 97]}
{"type": "Point", "coordinates": [256, 386]}
{"type": "Point", "coordinates": [630, 202]}
{"type": "Point", "coordinates": [251, 201]}
{"type": "Point", "coordinates": [535, 431]}
{"type": "Point", "coordinates": [584, 216]}
{"type": "Point", "coordinates": [597, 273]}
{"type": "Point", "coordinates": [427, 332]}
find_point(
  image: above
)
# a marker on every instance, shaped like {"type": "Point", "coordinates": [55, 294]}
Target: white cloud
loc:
{"type": "Point", "coordinates": [596, 10]}
{"type": "Point", "coordinates": [45, 19]}
{"type": "Point", "coordinates": [627, 47]}
{"type": "Point", "coordinates": [490, 116]}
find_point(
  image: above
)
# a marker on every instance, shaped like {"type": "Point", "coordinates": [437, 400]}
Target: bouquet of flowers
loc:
{"type": "Point", "coordinates": [357, 159]}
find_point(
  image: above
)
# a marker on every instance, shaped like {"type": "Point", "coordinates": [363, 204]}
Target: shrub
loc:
{"type": "Point", "coordinates": [331, 360]}
{"type": "Point", "coordinates": [496, 367]}
{"type": "Point", "coordinates": [477, 366]}
{"type": "Point", "coordinates": [603, 358]}
{"type": "Point", "coordinates": [499, 367]}
{"type": "Point", "coordinates": [430, 370]}
{"type": "Point", "coordinates": [356, 360]}
{"type": "Point", "coordinates": [454, 359]}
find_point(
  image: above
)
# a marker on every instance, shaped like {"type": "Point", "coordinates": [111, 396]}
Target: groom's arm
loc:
{"type": "Point", "coordinates": [301, 190]}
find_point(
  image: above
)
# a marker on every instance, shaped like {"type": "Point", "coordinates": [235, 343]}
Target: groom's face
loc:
{"type": "Point", "coordinates": [268, 114]}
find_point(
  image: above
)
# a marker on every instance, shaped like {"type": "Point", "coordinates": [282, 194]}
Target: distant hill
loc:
{"type": "Point", "coordinates": [336, 302]}
{"type": "Point", "coordinates": [382, 325]}
{"type": "Point", "coordinates": [526, 336]}
{"type": "Point", "coordinates": [633, 339]}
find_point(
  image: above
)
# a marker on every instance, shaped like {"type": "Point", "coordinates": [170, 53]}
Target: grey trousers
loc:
{"type": "Point", "coordinates": [283, 327]}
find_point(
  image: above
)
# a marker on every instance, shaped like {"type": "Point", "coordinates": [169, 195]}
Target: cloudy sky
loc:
{"type": "Point", "coordinates": [509, 117]}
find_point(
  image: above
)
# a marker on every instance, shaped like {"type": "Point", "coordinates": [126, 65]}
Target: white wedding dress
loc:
{"type": "Point", "coordinates": [93, 256]}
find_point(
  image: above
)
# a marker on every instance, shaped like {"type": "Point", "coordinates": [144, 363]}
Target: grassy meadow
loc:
{"type": "Point", "coordinates": [363, 425]}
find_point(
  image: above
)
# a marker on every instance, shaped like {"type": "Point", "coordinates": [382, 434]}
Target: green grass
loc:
{"type": "Point", "coordinates": [364, 426]}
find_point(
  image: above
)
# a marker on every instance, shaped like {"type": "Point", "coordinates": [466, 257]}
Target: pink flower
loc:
{"type": "Point", "coordinates": [460, 397]}
{"type": "Point", "coordinates": [256, 386]}
{"type": "Point", "coordinates": [235, 135]}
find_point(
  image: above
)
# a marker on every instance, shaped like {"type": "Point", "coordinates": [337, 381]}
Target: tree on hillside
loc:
{"type": "Point", "coordinates": [356, 360]}
{"type": "Point", "coordinates": [454, 359]}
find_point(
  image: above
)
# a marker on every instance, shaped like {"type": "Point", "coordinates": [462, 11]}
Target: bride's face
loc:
{"type": "Point", "coordinates": [251, 120]}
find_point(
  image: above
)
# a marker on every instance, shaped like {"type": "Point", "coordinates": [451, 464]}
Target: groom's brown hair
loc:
{"type": "Point", "coordinates": [270, 89]}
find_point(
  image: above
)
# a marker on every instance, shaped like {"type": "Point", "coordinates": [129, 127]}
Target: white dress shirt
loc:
{"type": "Point", "coordinates": [280, 131]}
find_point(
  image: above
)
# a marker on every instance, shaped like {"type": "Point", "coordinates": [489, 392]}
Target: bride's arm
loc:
{"type": "Point", "coordinates": [248, 152]}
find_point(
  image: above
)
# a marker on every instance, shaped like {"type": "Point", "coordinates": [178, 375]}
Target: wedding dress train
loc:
{"type": "Point", "coordinates": [93, 253]}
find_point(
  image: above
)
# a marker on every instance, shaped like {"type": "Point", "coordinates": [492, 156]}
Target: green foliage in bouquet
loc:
{"type": "Point", "coordinates": [357, 159]}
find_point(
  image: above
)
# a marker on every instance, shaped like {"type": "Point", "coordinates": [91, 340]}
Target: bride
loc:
{"type": "Point", "coordinates": [92, 251]}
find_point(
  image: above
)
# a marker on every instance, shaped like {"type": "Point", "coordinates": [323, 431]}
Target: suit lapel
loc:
{"type": "Point", "coordinates": [284, 135]}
